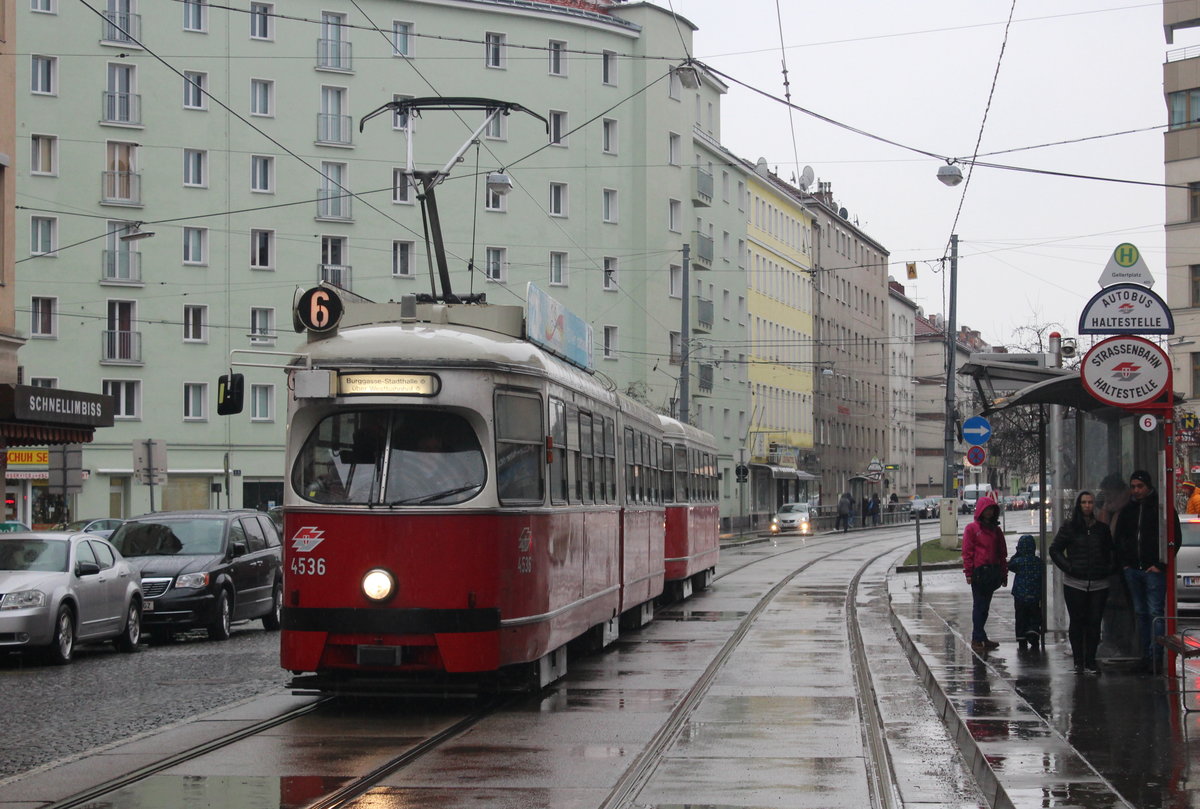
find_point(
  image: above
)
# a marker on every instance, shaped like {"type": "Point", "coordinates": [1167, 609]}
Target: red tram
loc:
{"type": "Point", "coordinates": [461, 504]}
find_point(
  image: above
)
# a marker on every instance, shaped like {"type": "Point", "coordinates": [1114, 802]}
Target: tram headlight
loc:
{"type": "Point", "coordinates": [378, 584]}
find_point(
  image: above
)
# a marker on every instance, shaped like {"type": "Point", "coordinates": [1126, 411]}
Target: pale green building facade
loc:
{"type": "Point", "coordinates": [249, 203]}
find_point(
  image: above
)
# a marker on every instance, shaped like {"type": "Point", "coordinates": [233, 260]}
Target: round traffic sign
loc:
{"type": "Point", "coordinates": [977, 430]}
{"type": "Point", "coordinates": [1147, 422]}
{"type": "Point", "coordinates": [976, 456]}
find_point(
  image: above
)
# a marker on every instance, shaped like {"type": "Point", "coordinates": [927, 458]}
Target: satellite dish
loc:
{"type": "Point", "coordinates": [761, 168]}
{"type": "Point", "coordinates": [842, 212]}
{"type": "Point", "coordinates": [806, 178]}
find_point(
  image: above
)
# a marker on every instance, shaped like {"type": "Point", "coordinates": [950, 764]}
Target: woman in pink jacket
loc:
{"type": "Point", "coordinates": [985, 563]}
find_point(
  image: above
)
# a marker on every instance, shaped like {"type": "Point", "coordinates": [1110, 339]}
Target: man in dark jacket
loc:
{"type": "Point", "coordinates": [1136, 536]}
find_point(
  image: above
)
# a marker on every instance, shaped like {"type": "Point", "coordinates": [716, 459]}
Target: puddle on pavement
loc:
{"type": "Point", "coordinates": [204, 792]}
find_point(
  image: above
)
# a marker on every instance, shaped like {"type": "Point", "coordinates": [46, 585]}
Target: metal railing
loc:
{"type": "Point", "coordinates": [705, 384]}
{"type": "Point", "coordinates": [337, 274]}
{"type": "Point", "coordinates": [121, 346]}
{"type": "Point", "coordinates": [121, 187]}
{"type": "Point", "coordinates": [121, 266]}
{"type": "Point", "coordinates": [120, 108]}
{"type": "Point", "coordinates": [337, 129]}
{"type": "Point", "coordinates": [704, 247]}
{"type": "Point", "coordinates": [702, 191]}
{"type": "Point", "coordinates": [334, 54]}
{"type": "Point", "coordinates": [120, 26]}
{"type": "Point", "coordinates": [333, 203]}
{"type": "Point", "coordinates": [704, 313]}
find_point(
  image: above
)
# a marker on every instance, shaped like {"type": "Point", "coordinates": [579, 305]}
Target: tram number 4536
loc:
{"type": "Point", "coordinates": [307, 566]}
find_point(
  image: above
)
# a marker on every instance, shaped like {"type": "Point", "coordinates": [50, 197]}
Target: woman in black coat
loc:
{"type": "Point", "coordinates": [1083, 549]}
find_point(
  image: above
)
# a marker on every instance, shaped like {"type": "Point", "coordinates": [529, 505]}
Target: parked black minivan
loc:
{"type": "Point", "coordinates": [205, 569]}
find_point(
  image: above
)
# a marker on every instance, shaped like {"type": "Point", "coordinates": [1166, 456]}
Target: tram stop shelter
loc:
{"type": "Point", "coordinates": [1093, 446]}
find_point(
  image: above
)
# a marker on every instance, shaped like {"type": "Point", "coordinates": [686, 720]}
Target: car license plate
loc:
{"type": "Point", "coordinates": [148, 606]}
{"type": "Point", "coordinates": [1191, 581]}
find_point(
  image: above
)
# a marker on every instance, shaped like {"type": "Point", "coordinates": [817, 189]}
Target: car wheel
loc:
{"type": "Point", "coordinates": [219, 628]}
{"type": "Point", "coordinates": [274, 619]}
{"type": "Point", "coordinates": [127, 641]}
{"type": "Point", "coordinates": [62, 648]}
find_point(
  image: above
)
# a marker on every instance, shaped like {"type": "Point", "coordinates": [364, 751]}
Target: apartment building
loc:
{"type": "Point", "coordinates": [182, 168]}
{"type": "Point", "coordinates": [900, 471]}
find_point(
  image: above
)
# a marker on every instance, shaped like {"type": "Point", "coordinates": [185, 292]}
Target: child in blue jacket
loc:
{"type": "Point", "coordinates": [1027, 569]}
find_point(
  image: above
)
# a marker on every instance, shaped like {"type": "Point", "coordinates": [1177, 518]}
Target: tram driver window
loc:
{"type": "Point", "coordinates": [520, 439]}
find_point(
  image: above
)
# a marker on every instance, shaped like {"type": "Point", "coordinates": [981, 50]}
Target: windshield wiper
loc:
{"type": "Point", "coordinates": [428, 498]}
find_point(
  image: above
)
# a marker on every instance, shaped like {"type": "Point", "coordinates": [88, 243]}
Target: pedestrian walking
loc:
{"type": "Point", "coordinates": [1136, 537]}
{"type": "Point", "coordinates": [1193, 497]}
{"type": "Point", "coordinates": [873, 507]}
{"type": "Point", "coordinates": [1083, 550]}
{"type": "Point", "coordinates": [1028, 571]}
{"type": "Point", "coordinates": [845, 510]}
{"type": "Point", "coordinates": [985, 564]}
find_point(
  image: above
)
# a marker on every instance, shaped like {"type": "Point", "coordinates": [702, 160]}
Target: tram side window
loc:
{"type": "Point", "coordinates": [610, 458]}
{"type": "Point", "coordinates": [601, 468]}
{"type": "Point", "coordinates": [573, 454]}
{"type": "Point", "coordinates": [586, 494]}
{"type": "Point", "coordinates": [681, 487]}
{"type": "Point", "coordinates": [656, 469]}
{"type": "Point", "coordinates": [519, 443]}
{"type": "Point", "coordinates": [709, 479]}
{"type": "Point", "coordinates": [630, 466]}
{"type": "Point", "coordinates": [558, 469]}
{"type": "Point", "coordinates": [668, 474]}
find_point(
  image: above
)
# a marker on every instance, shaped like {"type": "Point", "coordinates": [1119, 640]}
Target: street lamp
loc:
{"type": "Point", "coordinates": [950, 174]}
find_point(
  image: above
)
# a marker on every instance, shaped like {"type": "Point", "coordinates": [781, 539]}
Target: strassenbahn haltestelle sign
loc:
{"type": "Point", "coordinates": [1126, 371]}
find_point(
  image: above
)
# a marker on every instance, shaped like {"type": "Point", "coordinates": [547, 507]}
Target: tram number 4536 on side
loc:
{"type": "Point", "coordinates": [307, 566]}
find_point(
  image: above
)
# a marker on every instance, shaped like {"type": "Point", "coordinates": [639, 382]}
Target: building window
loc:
{"type": "Point", "coordinates": [558, 269]}
{"type": "Point", "coordinates": [402, 256]}
{"type": "Point", "coordinates": [610, 273]}
{"type": "Point", "coordinates": [1194, 202]}
{"type": "Point", "coordinates": [674, 149]}
{"type": "Point", "coordinates": [674, 86]}
{"type": "Point", "coordinates": [262, 325]}
{"type": "Point", "coordinates": [194, 174]}
{"type": "Point", "coordinates": [262, 249]}
{"type": "Point", "coordinates": [608, 205]}
{"type": "Point", "coordinates": [262, 97]}
{"type": "Point", "coordinates": [44, 6]}
{"type": "Point", "coordinates": [558, 128]}
{"type": "Point", "coordinates": [261, 22]}
{"type": "Point", "coordinates": [194, 85]}
{"type": "Point", "coordinates": [496, 267]}
{"type": "Point", "coordinates": [125, 394]}
{"type": "Point", "coordinates": [675, 281]}
{"type": "Point", "coordinates": [43, 75]}
{"type": "Point", "coordinates": [676, 347]}
{"type": "Point", "coordinates": [674, 216]}
{"type": "Point", "coordinates": [400, 118]}
{"type": "Point", "coordinates": [558, 199]}
{"type": "Point", "coordinates": [43, 154]}
{"type": "Point", "coordinates": [402, 38]}
{"type": "Point", "coordinates": [493, 50]}
{"type": "Point", "coordinates": [608, 67]}
{"type": "Point", "coordinates": [195, 396]}
{"type": "Point", "coordinates": [610, 342]}
{"type": "Point", "coordinates": [262, 402]}
{"type": "Point", "coordinates": [1194, 272]}
{"type": "Point", "coordinates": [43, 235]}
{"type": "Point", "coordinates": [497, 128]}
{"type": "Point", "coordinates": [195, 15]}
{"type": "Point", "coordinates": [1183, 108]}
{"type": "Point", "coordinates": [557, 53]}
{"type": "Point", "coordinates": [43, 381]}
{"type": "Point", "coordinates": [334, 196]}
{"type": "Point", "coordinates": [43, 320]}
{"type": "Point", "coordinates": [608, 135]}
{"type": "Point", "coordinates": [195, 324]}
{"type": "Point", "coordinates": [494, 201]}
{"type": "Point", "coordinates": [262, 174]}
{"type": "Point", "coordinates": [195, 245]}
{"type": "Point", "coordinates": [401, 187]}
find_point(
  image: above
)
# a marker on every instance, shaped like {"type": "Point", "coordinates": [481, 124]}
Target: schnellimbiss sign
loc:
{"type": "Point", "coordinates": [1126, 309]}
{"type": "Point", "coordinates": [1126, 371]}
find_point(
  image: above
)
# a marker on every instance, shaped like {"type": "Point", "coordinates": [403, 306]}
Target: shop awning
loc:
{"type": "Point", "coordinates": [780, 472]}
{"type": "Point", "coordinates": [32, 435]}
{"type": "Point", "coordinates": [32, 416]}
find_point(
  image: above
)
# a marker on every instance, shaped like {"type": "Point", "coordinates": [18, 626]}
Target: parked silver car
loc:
{"type": "Point", "coordinates": [104, 526]}
{"type": "Point", "coordinates": [63, 589]}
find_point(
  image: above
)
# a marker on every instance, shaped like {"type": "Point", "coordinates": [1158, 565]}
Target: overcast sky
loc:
{"type": "Point", "coordinates": [1031, 246]}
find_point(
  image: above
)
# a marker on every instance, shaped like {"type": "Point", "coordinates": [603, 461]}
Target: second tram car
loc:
{"type": "Point", "coordinates": [461, 504]}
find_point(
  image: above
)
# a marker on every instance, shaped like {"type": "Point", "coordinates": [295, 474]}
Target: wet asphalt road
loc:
{"type": "Point", "coordinates": [55, 712]}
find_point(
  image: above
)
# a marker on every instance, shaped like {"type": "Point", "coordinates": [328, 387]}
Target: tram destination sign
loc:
{"type": "Point", "coordinates": [1126, 371]}
{"type": "Point", "coordinates": [392, 384]}
{"type": "Point", "coordinates": [1126, 309]}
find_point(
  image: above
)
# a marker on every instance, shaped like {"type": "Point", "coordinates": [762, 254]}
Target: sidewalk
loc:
{"type": "Point", "coordinates": [1034, 732]}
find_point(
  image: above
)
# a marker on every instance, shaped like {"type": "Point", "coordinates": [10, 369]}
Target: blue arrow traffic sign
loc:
{"type": "Point", "coordinates": [977, 430]}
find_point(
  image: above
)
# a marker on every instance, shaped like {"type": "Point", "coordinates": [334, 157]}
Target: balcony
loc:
{"type": "Point", "coordinates": [120, 28]}
{"type": "Point", "coordinates": [702, 248]}
{"type": "Point", "coordinates": [333, 203]}
{"type": "Point", "coordinates": [705, 382]}
{"type": "Point", "coordinates": [335, 130]}
{"type": "Point", "coordinates": [337, 274]}
{"type": "Point", "coordinates": [120, 188]}
{"type": "Point", "coordinates": [121, 108]}
{"type": "Point", "coordinates": [334, 54]}
{"type": "Point", "coordinates": [704, 314]}
{"type": "Point", "coordinates": [121, 347]}
{"type": "Point", "coordinates": [121, 267]}
{"type": "Point", "coordinates": [702, 188]}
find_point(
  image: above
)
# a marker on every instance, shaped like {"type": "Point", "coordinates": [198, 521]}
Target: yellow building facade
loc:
{"type": "Point", "coordinates": [780, 305]}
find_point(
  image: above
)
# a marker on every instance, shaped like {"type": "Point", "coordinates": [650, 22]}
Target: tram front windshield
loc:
{"type": "Point", "coordinates": [398, 456]}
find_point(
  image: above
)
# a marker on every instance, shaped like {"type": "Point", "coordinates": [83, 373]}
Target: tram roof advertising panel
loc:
{"type": "Point", "coordinates": [555, 328]}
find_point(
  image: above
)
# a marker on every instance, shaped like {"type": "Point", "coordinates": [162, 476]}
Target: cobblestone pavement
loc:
{"type": "Point", "coordinates": [52, 712]}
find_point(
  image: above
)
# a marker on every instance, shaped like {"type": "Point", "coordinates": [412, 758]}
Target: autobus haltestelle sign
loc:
{"type": "Point", "coordinates": [1126, 371]}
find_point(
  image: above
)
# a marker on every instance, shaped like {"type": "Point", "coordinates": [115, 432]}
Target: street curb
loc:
{"type": "Point", "coordinates": [933, 566]}
{"type": "Point", "coordinates": [985, 776]}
